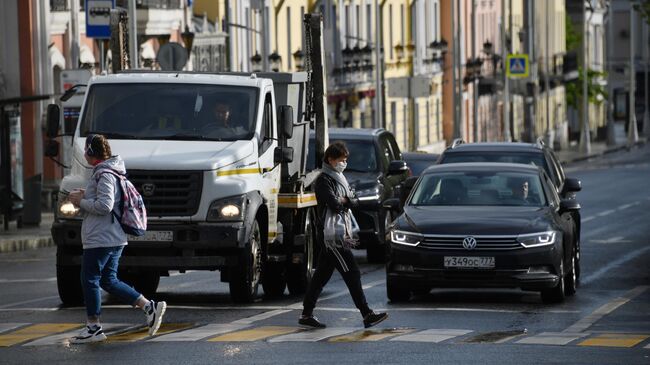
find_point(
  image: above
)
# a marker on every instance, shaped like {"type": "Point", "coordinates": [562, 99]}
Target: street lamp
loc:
{"type": "Point", "coordinates": [256, 62]}
{"type": "Point", "coordinates": [347, 55]}
{"type": "Point", "coordinates": [410, 50]}
{"type": "Point", "coordinates": [367, 56]}
{"type": "Point", "coordinates": [356, 56]}
{"type": "Point", "coordinates": [188, 39]}
{"type": "Point", "coordinates": [276, 60]}
{"type": "Point", "coordinates": [399, 51]}
{"type": "Point", "coordinates": [299, 59]}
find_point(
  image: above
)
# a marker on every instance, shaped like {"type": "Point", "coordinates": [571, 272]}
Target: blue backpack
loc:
{"type": "Point", "coordinates": [133, 214]}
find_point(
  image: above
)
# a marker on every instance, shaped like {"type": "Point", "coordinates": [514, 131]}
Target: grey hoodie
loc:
{"type": "Point", "coordinates": [99, 227]}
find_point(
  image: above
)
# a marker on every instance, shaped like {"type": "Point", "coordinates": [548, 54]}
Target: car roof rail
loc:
{"type": "Point", "coordinates": [540, 142]}
{"type": "Point", "coordinates": [457, 142]}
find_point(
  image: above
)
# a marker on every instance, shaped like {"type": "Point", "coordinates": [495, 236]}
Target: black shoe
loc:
{"type": "Point", "coordinates": [311, 321]}
{"type": "Point", "coordinates": [373, 318]}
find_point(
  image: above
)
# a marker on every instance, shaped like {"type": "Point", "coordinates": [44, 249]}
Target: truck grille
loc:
{"type": "Point", "coordinates": [168, 193]}
{"type": "Point", "coordinates": [483, 243]}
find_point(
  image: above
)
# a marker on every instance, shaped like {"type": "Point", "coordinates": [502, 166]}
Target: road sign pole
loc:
{"type": "Point", "coordinates": [506, 81]}
{"type": "Point", "coordinates": [133, 35]}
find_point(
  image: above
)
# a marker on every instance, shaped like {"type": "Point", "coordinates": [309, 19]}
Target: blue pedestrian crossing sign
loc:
{"type": "Point", "coordinates": [517, 66]}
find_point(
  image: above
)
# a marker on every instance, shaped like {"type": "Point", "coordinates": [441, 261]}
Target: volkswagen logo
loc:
{"type": "Point", "coordinates": [148, 189]}
{"type": "Point", "coordinates": [469, 243]}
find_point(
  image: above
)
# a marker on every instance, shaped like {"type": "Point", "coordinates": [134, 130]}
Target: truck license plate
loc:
{"type": "Point", "coordinates": [155, 236]}
{"type": "Point", "coordinates": [473, 262]}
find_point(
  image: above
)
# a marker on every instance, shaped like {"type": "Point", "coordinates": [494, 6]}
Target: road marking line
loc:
{"type": "Point", "coordinates": [27, 301]}
{"type": "Point", "coordinates": [35, 331]}
{"type": "Point", "coordinates": [255, 334]}
{"type": "Point", "coordinates": [612, 264]}
{"type": "Point", "coordinates": [604, 310]}
{"type": "Point", "coordinates": [313, 335]}
{"type": "Point", "coordinates": [587, 219]}
{"type": "Point", "coordinates": [614, 340]}
{"type": "Point", "coordinates": [607, 212]}
{"type": "Point", "coordinates": [372, 335]}
{"type": "Point", "coordinates": [432, 335]}
{"type": "Point", "coordinates": [261, 316]}
{"type": "Point", "coordinates": [143, 332]}
{"type": "Point", "coordinates": [4, 327]}
{"type": "Point", "coordinates": [195, 334]}
{"type": "Point", "coordinates": [552, 338]}
{"type": "Point", "coordinates": [647, 346]}
{"type": "Point", "coordinates": [64, 338]}
{"type": "Point", "coordinates": [11, 281]}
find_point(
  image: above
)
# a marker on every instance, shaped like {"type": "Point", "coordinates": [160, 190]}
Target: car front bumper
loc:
{"type": "Point", "coordinates": [525, 268]}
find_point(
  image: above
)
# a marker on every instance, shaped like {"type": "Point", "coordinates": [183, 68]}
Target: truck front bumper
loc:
{"type": "Point", "coordinates": [192, 246]}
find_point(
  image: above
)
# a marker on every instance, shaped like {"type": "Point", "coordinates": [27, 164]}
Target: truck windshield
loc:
{"type": "Point", "coordinates": [170, 111]}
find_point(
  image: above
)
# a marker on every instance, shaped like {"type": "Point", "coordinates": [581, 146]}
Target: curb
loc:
{"type": "Point", "coordinates": [25, 243]}
{"type": "Point", "coordinates": [605, 152]}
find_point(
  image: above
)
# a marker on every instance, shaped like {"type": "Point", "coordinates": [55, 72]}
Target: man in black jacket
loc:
{"type": "Point", "coordinates": [334, 197]}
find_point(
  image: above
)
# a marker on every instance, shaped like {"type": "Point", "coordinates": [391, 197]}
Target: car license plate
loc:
{"type": "Point", "coordinates": [155, 236]}
{"type": "Point", "coordinates": [472, 262]}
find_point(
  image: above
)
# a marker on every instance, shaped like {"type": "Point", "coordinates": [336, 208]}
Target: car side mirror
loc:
{"type": "Point", "coordinates": [397, 167]}
{"type": "Point", "coordinates": [391, 204]}
{"type": "Point", "coordinates": [53, 121]}
{"type": "Point", "coordinates": [569, 205]}
{"type": "Point", "coordinates": [282, 154]}
{"type": "Point", "coordinates": [51, 148]}
{"type": "Point", "coordinates": [572, 185]}
{"type": "Point", "coordinates": [286, 121]}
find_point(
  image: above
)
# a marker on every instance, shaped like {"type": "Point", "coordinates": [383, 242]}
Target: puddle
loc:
{"type": "Point", "coordinates": [496, 336]}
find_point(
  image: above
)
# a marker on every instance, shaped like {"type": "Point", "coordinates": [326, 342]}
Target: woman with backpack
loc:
{"type": "Point", "coordinates": [336, 234]}
{"type": "Point", "coordinates": [103, 240]}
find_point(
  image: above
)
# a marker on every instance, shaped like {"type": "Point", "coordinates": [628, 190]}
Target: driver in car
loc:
{"type": "Point", "coordinates": [221, 123]}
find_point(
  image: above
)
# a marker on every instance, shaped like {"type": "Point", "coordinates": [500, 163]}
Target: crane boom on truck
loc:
{"type": "Point", "coordinates": [232, 197]}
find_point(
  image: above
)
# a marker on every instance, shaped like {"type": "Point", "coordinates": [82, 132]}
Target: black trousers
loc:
{"type": "Point", "coordinates": [343, 260]}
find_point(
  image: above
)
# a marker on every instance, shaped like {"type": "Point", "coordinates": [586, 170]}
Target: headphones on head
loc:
{"type": "Point", "coordinates": [89, 145]}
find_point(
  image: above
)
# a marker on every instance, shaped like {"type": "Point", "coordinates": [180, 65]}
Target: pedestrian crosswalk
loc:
{"type": "Point", "coordinates": [44, 334]}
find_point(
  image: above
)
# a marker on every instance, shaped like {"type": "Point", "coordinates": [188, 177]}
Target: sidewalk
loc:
{"type": "Point", "coordinates": [19, 239]}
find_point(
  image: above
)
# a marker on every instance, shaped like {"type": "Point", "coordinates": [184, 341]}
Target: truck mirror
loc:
{"type": "Point", "coordinates": [283, 154]}
{"type": "Point", "coordinates": [53, 120]}
{"type": "Point", "coordinates": [286, 120]}
{"type": "Point", "coordinates": [51, 148]}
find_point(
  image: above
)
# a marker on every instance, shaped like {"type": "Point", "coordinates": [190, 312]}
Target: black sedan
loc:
{"type": "Point", "coordinates": [482, 225]}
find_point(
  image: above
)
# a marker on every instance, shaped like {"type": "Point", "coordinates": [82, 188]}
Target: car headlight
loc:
{"type": "Point", "coordinates": [537, 239]}
{"type": "Point", "coordinates": [65, 209]}
{"type": "Point", "coordinates": [373, 193]}
{"type": "Point", "coordinates": [405, 238]}
{"type": "Point", "coordinates": [228, 209]}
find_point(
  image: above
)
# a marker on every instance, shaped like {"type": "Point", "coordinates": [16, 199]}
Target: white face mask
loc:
{"type": "Point", "coordinates": [340, 166]}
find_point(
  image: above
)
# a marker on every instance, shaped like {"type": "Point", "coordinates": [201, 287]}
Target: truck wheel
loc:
{"type": "Point", "coordinates": [145, 282]}
{"type": "Point", "coordinates": [299, 275]}
{"type": "Point", "coordinates": [245, 277]}
{"type": "Point", "coordinates": [376, 251]}
{"type": "Point", "coordinates": [273, 279]}
{"type": "Point", "coordinates": [68, 281]}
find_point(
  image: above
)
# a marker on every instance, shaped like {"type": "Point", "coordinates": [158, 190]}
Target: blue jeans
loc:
{"type": "Point", "coordinates": [99, 269]}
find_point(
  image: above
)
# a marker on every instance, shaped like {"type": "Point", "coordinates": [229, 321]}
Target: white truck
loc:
{"type": "Point", "coordinates": [233, 199]}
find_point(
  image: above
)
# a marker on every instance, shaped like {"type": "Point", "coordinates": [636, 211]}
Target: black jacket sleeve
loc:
{"type": "Point", "coordinates": [325, 190]}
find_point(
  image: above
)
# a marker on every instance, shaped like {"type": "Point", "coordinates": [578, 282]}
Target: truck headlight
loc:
{"type": "Point", "coordinates": [405, 238]}
{"type": "Point", "coordinates": [65, 209]}
{"type": "Point", "coordinates": [228, 209]}
{"type": "Point", "coordinates": [373, 193]}
{"type": "Point", "coordinates": [537, 239]}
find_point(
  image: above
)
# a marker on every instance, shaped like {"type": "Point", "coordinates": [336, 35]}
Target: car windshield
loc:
{"type": "Point", "coordinates": [170, 111]}
{"type": "Point", "coordinates": [362, 158]}
{"type": "Point", "coordinates": [479, 188]}
{"type": "Point", "coordinates": [536, 159]}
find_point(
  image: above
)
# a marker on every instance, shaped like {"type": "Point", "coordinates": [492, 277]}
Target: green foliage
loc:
{"type": "Point", "coordinates": [596, 92]}
{"type": "Point", "coordinates": [573, 37]}
{"type": "Point", "coordinates": [643, 7]}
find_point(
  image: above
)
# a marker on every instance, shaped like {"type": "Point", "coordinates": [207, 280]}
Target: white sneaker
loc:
{"type": "Point", "coordinates": [155, 315]}
{"type": "Point", "coordinates": [89, 334]}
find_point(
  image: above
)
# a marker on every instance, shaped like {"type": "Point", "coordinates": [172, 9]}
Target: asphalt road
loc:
{"type": "Point", "coordinates": [606, 322]}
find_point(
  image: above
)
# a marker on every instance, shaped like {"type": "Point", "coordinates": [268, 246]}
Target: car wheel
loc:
{"type": "Point", "coordinates": [68, 282]}
{"type": "Point", "coordinates": [144, 282]}
{"type": "Point", "coordinates": [245, 277]}
{"type": "Point", "coordinates": [555, 294]}
{"type": "Point", "coordinates": [376, 251]}
{"type": "Point", "coordinates": [571, 278]}
{"type": "Point", "coordinates": [396, 293]}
